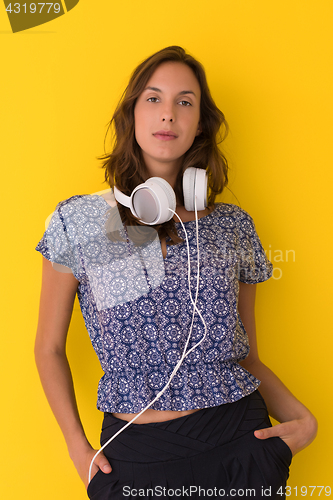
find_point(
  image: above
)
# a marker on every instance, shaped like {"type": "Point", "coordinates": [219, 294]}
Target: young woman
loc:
{"type": "Point", "coordinates": [205, 430]}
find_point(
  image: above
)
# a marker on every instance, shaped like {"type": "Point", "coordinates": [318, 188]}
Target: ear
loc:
{"type": "Point", "coordinates": [199, 130]}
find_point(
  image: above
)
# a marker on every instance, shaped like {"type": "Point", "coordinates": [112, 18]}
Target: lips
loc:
{"type": "Point", "coordinates": [165, 135]}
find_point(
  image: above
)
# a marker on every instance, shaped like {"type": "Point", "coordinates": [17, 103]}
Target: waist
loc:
{"type": "Point", "coordinates": [185, 436]}
{"type": "Point", "coordinates": [150, 416]}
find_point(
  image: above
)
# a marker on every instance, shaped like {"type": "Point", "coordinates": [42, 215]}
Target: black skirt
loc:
{"type": "Point", "coordinates": [210, 453]}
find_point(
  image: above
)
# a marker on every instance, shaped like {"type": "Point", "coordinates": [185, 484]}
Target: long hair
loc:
{"type": "Point", "coordinates": [125, 167]}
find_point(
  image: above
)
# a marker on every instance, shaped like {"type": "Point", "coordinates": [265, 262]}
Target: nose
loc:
{"type": "Point", "coordinates": [168, 113]}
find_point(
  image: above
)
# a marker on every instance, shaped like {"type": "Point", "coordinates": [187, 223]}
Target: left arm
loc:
{"type": "Point", "coordinates": [298, 427]}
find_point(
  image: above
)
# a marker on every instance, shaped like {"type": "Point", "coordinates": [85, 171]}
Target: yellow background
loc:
{"type": "Point", "coordinates": [269, 67]}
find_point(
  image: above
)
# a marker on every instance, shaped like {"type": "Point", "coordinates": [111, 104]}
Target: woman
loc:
{"type": "Point", "coordinates": [209, 427]}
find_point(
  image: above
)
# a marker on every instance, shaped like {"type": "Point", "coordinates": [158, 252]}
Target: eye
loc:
{"type": "Point", "coordinates": [185, 103]}
{"type": "Point", "coordinates": [152, 99]}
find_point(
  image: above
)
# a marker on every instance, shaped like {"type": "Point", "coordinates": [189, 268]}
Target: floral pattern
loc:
{"type": "Point", "coordinates": [137, 308]}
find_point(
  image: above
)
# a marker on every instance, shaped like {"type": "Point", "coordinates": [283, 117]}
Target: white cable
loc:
{"type": "Point", "coordinates": [185, 354]}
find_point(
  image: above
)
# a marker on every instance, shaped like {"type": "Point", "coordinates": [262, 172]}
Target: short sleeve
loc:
{"type": "Point", "coordinates": [56, 245]}
{"type": "Point", "coordinates": [254, 266]}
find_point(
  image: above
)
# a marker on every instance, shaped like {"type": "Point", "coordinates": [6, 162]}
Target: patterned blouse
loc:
{"type": "Point", "coordinates": [137, 308]}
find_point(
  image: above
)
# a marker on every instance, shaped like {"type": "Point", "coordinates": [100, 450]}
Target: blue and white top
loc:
{"type": "Point", "coordinates": [137, 308]}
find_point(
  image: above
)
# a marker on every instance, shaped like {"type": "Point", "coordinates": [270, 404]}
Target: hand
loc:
{"type": "Point", "coordinates": [297, 434]}
{"type": "Point", "coordinates": [83, 460]}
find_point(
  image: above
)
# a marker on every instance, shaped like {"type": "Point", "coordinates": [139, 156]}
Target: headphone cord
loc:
{"type": "Point", "coordinates": [185, 354]}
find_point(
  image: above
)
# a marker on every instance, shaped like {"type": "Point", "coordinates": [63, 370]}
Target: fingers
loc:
{"type": "Point", "coordinates": [102, 463]}
{"type": "Point", "coordinates": [275, 431]}
{"type": "Point", "coordinates": [297, 433]}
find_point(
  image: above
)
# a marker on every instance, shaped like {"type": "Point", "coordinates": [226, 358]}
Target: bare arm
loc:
{"type": "Point", "coordinates": [298, 426]}
{"type": "Point", "coordinates": [56, 305]}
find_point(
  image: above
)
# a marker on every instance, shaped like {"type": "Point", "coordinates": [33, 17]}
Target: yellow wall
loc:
{"type": "Point", "coordinates": [269, 66]}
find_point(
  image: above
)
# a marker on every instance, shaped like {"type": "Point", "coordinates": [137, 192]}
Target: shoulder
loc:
{"type": "Point", "coordinates": [72, 202]}
{"type": "Point", "coordinates": [101, 198]}
{"type": "Point", "coordinates": [233, 217]}
{"type": "Point", "coordinates": [77, 207]}
{"type": "Point", "coordinates": [232, 211]}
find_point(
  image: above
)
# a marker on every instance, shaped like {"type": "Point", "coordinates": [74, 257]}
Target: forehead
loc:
{"type": "Point", "coordinates": [175, 76]}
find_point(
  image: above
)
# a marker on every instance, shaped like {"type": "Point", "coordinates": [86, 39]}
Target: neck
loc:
{"type": "Point", "coordinates": [166, 170]}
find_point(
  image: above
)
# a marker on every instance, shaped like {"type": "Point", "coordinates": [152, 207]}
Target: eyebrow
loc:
{"type": "Point", "coordinates": [183, 92]}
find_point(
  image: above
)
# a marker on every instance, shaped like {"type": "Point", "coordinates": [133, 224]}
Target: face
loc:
{"type": "Point", "coordinates": [167, 116]}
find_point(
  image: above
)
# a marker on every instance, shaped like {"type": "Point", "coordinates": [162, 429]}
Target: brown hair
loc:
{"type": "Point", "coordinates": [124, 166]}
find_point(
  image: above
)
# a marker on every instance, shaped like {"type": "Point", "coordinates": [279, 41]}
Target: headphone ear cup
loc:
{"type": "Point", "coordinates": [195, 184]}
{"type": "Point", "coordinates": [167, 190]}
{"type": "Point", "coordinates": [189, 188]}
{"type": "Point", "coordinates": [151, 201]}
{"type": "Point", "coordinates": [166, 197]}
{"type": "Point", "coordinates": [201, 186]}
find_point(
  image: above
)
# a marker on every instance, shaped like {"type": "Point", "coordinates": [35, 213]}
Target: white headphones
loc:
{"type": "Point", "coordinates": [150, 202]}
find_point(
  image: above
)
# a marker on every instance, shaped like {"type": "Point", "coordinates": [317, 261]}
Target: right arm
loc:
{"type": "Point", "coordinates": [56, 306]}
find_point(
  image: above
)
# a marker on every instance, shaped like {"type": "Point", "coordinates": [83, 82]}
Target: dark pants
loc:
{"type": "Point", "coordinates": [210, 453]}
